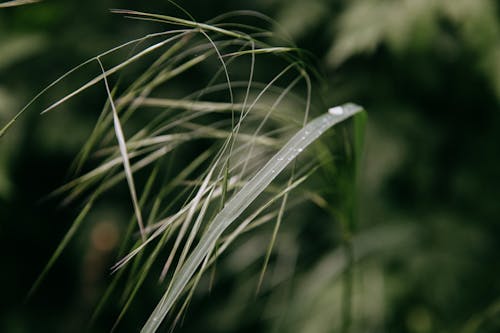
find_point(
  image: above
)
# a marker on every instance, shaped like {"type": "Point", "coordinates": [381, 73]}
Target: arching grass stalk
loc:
{"type": "Point", "coordinates": [241, 200]}
{"type": "Point", "coordinates": [15, 3]}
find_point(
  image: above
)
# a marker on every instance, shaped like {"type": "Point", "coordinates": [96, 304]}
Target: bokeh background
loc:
{"type": "Point", "coordinates": [427, 71]}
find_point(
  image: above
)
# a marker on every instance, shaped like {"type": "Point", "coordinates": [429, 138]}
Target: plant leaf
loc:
{"type": "Point", "coordinates": [241, 200]}
{"type": "Point", "coordinates": [14, 3]}
{"type": "Point", "coordinates": [124, 154]}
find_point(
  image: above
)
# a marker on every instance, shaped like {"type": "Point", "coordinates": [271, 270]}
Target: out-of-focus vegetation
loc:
{"type": "Point", "coordinates": [426, 239]}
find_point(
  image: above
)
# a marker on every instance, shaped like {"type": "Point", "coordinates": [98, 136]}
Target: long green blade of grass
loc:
{"type": "Point", "coordinates": [124, 154]}
{"type": "Point", "coordinates": [14, 3]}
{"type": "Point", "coordinates": [240, 201]}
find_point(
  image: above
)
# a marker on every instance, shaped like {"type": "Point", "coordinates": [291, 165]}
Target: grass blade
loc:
{"type": "Point", "coordinates": [123, 152]}
{"type": "Point", "coordinates": [69, 235]}
{"type": "Point", "coordinates": [241, 200]}
{"type": "Point", "coordinates": [14, 3]}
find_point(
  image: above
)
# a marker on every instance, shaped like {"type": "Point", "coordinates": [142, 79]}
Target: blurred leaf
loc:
{"type": "Point", "coordinates": [298, 17]}
{"type": "Point", "coordinates": [18, 48]}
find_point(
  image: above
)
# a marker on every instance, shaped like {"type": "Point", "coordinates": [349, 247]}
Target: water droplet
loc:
{"type": "Point", "coordinates": [300, 149]}
{"type": "Point", "coordinates": [336, 111]}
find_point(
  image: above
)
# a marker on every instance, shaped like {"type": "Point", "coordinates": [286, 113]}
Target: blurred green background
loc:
{"type": "Point", "coordinates": [427, 71]}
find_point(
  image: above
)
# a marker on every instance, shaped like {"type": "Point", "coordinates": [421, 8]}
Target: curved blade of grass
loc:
{"type": "Point", "coordinates": [241, 200]}
{"type": "Point", "coordinates": [189, 104]}
{"type": "Point", "coordinates": [123, 151]}
{"type": "Point", "coordinates": [14, 3]}
{"type": "Point", "coordinates": [231, 137]}
{"type": "Point", "coordinates": [69, 235]}
{"type": "Point", "coordinates": [144, 197]}
{"type": "Point", "coordinates": [251, 13]}
{"type": "Point", "coordinates": [178, 21]}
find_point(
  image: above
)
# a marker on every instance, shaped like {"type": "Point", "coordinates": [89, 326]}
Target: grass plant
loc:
{"type": "Point", "coordinates": [228, 145]}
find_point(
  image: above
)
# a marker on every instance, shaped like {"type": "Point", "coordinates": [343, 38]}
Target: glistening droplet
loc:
{"type": "Point", "coordinates": [336, 111]}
